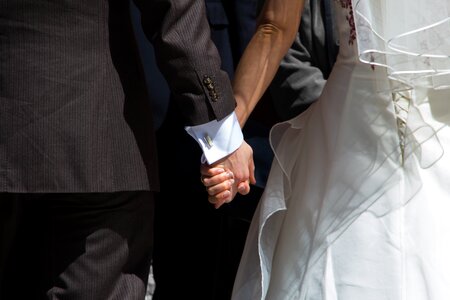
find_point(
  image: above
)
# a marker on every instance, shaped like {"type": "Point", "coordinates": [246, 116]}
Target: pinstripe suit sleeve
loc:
{"type": "Point", "coordinates": [188, 58]}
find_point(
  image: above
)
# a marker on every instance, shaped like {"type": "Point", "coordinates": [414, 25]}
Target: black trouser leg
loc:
{"type": "Point", "coordinates": [81, 246]}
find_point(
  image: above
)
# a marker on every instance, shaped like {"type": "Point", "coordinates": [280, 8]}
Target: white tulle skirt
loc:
{"type": "Point", "coordinates": [347, 213]}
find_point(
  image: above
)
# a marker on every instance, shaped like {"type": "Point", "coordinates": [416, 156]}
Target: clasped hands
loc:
{"type": "Point", "coordinates": [229, 176]}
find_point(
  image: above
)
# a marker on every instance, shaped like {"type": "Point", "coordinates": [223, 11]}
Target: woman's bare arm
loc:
{"type": "Point", "coordinates": [276, 29]}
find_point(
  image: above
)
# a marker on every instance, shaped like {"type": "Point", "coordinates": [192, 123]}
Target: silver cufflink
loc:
{"type": "Point", "coordinates": [208, 141]}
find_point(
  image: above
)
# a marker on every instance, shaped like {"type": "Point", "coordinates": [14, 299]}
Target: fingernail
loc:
{"type": "Point", "coordinates": [226, 194]}
{"type": "Point", "coordinates": [230, 174]}
{"type": "Point", "coordinates": [231, 181]}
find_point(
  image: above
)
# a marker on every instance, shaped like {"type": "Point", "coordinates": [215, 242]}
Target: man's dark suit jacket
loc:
{"type": "Point", "coordinates": [74, 113]}
{"type": "Point", "coordinates": [184, 212]}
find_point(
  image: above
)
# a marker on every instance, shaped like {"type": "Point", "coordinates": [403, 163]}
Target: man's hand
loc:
{"type": "Point", "coordinates": [231, 175]}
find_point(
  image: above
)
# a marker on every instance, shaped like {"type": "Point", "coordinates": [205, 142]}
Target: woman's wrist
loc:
{"type": "Point", "coordinates": [241, 111]}
{"type": "Point", "coordinates": [241, 115]}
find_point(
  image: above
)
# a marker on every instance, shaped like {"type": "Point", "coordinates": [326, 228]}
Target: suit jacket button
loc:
{"type": "Point", "coordinates": [207, 80]}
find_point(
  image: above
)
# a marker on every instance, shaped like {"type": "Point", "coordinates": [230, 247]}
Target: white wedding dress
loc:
{"type": "Point", "coordinates": [357, 206]}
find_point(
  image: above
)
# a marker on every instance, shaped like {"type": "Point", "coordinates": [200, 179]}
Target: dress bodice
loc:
{"type": "Point", "coordinates": [357, 196]}
{"type": "Point", "coordinates": [348, 50]}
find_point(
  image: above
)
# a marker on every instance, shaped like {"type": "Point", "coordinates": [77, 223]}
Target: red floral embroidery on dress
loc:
{"type": "Point", "coordinates": [351, 21]}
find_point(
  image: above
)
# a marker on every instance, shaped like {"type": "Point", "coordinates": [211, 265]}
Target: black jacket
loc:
{"type": "Point", "coordinates": [74, 113]}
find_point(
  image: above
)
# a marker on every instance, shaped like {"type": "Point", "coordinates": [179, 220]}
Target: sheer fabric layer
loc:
{"type": "Point", "coordinates": [410, 38]}
{"type": "Point", "coordinates": [349, 213]}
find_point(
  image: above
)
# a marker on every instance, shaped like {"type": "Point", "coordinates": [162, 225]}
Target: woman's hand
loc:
{"type": "Point", "coordinates": [231, 175]}
{"type": "Point", "coordinates": [219, 183]}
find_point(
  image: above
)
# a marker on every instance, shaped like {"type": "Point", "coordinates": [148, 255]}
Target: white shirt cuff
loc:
{"type": "Point", "coordinates": [217, 138]}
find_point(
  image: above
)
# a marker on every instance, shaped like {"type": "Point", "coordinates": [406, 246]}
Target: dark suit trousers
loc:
{"type": "Point", "coordinates": [75, 246]}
